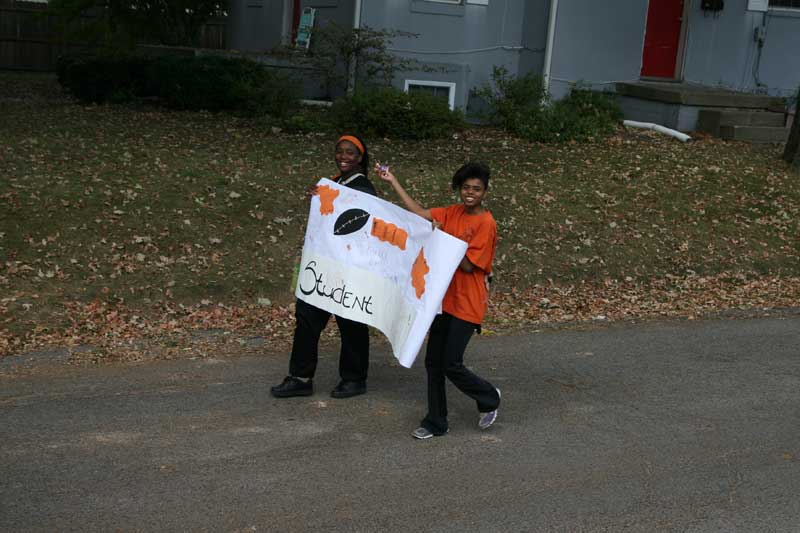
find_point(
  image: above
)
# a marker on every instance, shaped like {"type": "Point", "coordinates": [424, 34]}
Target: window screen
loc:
{"type": "Point", "coordinates": [439, 92]}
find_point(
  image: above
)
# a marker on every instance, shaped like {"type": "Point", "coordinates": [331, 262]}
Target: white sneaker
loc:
{"type": "Point", "coordinates": [421, 433]}
{"type": "Point", "coordinates": [487, 419]}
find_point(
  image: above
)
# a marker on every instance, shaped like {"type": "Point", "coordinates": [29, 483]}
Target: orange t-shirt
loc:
{"type": "Point", "coordinates": [466, 297]}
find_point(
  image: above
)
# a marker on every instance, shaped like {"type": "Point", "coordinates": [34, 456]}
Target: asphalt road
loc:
{"type": "Point", "coordinates": [677, 426]}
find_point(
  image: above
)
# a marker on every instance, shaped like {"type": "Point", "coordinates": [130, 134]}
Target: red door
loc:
{"type": "Point", "coordinates": [662, 38]}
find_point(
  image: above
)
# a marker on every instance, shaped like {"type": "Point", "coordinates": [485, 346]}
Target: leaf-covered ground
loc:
{"type": "Point", "coordinates": [134, 232]}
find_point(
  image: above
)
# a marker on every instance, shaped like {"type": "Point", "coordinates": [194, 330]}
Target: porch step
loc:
{"type": "Point", "coordinates": [756, 134]}
{"type": "Point", "coordinates": [711, 120]}
{"type": "Point", "coordinates": [693, 95]}
{"type": "Point", "coordinates": [678, 106]}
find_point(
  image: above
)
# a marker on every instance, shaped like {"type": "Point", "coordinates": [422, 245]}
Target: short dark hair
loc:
{"type": "Point", "coordinates": [473, 169]}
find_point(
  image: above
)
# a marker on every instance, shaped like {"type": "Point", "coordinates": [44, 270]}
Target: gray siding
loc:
{"type": "Point", "coordinates": [721, 51]}
{"type": "Point", "coordinates": [468, 40]}
{"type": "Point", "coordinates": [254, 24]}
{"type": "Point", "coordinates": [780, 59]}
{"type": "Point", "coordinates": [258, 25]}
{"type": "Point", "coordinates": [534, 36]}
{"type": "Point", "coordinates": [338, 11]}
{"type": "Point", "coordinates": [597, 43]}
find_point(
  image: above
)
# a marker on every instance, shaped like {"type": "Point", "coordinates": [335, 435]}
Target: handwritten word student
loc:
{"type": "Point", "coordinates": [465, 301]}
{"type": "Point", "coordinates": [352, 162]}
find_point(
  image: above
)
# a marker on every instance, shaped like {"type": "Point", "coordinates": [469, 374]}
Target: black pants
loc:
{"type": "Point", "coordinates": [354, 354]}
{"type": "Point", "coordinates": [445, 358]}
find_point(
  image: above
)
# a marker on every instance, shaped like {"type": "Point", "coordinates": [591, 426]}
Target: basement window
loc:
{"type": "Point", "coordinates": [440, 89]}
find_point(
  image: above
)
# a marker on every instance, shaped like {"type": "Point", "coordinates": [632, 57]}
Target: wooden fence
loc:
{"type": "Point", "coordinates": [32, 39]}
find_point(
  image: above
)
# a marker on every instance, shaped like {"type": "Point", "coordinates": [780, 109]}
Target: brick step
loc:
{"type": "Point", "coordinates": [756, 134]}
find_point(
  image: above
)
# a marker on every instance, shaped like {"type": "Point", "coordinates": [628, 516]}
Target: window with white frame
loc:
{"type": "Point", "coordinates": [784, 4]}
{"type": "Point", "coordinates": [440, 89]}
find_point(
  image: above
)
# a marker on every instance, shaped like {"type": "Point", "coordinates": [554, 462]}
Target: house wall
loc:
{"type": "Point", "coordinates": [467, 40]}
{"type": "Point", "coordinates": [598, 43]}
{"type": "Point", "coordinates": [260, 25]}
{"type": "Point", "coordinates": [534, 36]}
{"type": "Point", "coordinates": [721, 50]}
{"type": "Point", "coordinates": [255, 24]}
{"type": "Point", "coordinates": [337, 11]}
{"type": "Point", "coordinates": [595, 42]}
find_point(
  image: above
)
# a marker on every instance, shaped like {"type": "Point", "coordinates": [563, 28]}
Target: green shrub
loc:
{"type": "Point", "coordinates": [268, 94]}
{"type": "Point", "coordinates": [307, 120]}
{"type": "Point", "coordinates": [582, 114]}
{"type": "Point", "coordinates": [513, 100]}
{"type": "Point", "coordinates": [122, 96]}
{"type": "Point", "coordinates": [180, 82]}
{"type": "Point", "coordinates": [95, 76]}
{"type": "Point", "coordinates": [194, 83]}
{"type": "Point", "coordinates": [218, 83]}
{"type": "Point", "coordinates": [521, 106]}
{"type": "Point", "coordinates": [394, 113]}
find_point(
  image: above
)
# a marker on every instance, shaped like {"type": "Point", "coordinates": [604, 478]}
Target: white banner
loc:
{"type": "Point", "coordinates": [371, 261]}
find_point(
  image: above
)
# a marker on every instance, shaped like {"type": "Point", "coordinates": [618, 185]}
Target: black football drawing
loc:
{"type": "Point", "coordinates": [350, 221]}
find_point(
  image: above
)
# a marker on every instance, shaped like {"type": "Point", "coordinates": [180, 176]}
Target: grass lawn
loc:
{"type": "Point", "coordinates": [128, 225]}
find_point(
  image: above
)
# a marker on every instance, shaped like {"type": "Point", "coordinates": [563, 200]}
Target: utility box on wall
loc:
{"type": "Point", "coordinates": [712, 5]}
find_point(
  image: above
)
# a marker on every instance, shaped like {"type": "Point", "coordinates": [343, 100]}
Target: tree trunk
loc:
{"type": "Point", "coordinates": [791, 154]}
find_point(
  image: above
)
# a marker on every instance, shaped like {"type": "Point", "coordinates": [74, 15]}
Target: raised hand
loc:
{"type": "Point", "coordinates": [384, 173]}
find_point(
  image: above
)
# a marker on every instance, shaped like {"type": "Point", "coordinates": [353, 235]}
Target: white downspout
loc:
{"type": "Point", "coordinates": [548, 50]}
{"type": "Point", "coordinates": [357, 15]}
{"type": "Point", "coordinates": [657, 127]}
{"type": "Point", "coordinates": [351, 74]}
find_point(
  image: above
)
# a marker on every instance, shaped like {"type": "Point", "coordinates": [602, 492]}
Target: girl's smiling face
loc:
{"type": "Point", "coordinates": [347, 156]}
{"type": "Point", "coordinates": [472, 192]}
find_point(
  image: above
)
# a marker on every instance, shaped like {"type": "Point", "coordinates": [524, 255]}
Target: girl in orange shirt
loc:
{"type": "Point", "coordinates": [465, 301]}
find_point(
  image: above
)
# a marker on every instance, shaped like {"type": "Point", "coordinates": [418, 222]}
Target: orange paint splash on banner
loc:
{"type": "Point", "coordinates": [326, 197]}
{"type": "Point", "coordinates": [388, 232]}
{"type": "Point", "coordinates": [418, 271]}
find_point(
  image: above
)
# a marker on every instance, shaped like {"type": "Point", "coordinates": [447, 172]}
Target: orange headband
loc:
{"type": "Point", "coordinates": [352, 140]}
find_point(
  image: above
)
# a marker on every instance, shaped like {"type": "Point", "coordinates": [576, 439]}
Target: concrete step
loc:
{"type": "Point", "coordinates": [710, 120]}
{"type": "Point", "coordinates": [752, 118]}
{"type": "Point", "coordinates": [685, 94]}
{"type": "Point", "coordinates": [756, 134]}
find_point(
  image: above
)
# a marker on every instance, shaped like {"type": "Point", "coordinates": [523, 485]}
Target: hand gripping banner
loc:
{"type": "Point", "coordinates": [371, 261]}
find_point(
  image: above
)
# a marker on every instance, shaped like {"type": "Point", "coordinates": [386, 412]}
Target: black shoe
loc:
{"type": "Point", "coordinates": [291, 386]}
{"type": "Point", "coordinates": [346, 389]}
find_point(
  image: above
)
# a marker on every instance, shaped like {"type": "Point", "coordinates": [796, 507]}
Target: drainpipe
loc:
{"type": "Point", "coordinates": [357, 15]}
{"type": "Point", "coordinates": [548, 51]}
{"type": "Point", "coordinates": [351, 74]}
